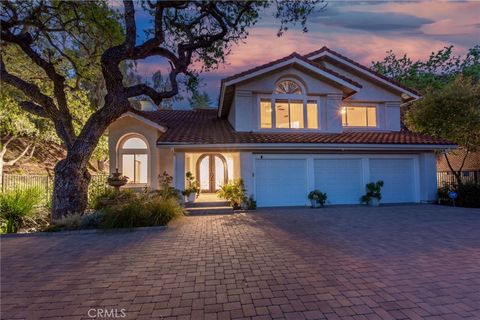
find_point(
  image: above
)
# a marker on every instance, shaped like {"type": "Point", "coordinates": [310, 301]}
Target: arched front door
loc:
{"type": "Point", "coordinates": [212, 172]}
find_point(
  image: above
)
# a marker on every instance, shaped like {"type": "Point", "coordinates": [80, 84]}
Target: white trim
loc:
{"type": "Point", "coordinates": [145, 120]}
{"type": "Point", "coordinates": [311, 146]}
{"type": "Point", "coordinates": [279, 65]}
{"type": "Point", "coordinates": [272, 98]}
{"type": "Point", "coordinates": [120, 151]}
{"type": "Point", "coordinates": [372, 75]}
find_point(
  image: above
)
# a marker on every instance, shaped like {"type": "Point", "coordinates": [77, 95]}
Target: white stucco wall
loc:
{"type": "Point", "coordinates": [244, 111]}
{"type": "Point", "coordinates": [126, 126]}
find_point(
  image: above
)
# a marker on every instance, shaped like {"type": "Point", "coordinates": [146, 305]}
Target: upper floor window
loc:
{"type": "Point", "coordinates": [288, 108]}
{"type": "Point", "coordinates": [134, 159]}
{"type": "Point", "coordinates": [359, 116]}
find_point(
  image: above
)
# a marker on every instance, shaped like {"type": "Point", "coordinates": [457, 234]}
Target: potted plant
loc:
{"type": "Point", "coordinates": [374, 193]}
{"type": "Point", "coordinates": [192, 190]}
{"type": "Point", "coordinates": [116, 180]}
{"type": "Point", "coordinates": [234, 192]}
{"type": "Point", "coordinates": [317, 198]}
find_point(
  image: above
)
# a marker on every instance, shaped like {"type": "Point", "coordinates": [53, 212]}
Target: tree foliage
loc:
{"type": "Point", "coordinates": [438, 70]}
{"type": "Point", "coordinates": [200, 100]}
{"type": "Point", "coordinates": [451, 113]}
{"type": "Point", "coordinates": [61, 38]}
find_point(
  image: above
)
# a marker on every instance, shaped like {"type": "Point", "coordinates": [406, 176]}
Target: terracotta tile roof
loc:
{"type": "Point", "coordinates": [326, 49]}
{"type": "Point", "coordinates": [204, 127]}
{"type": "Point", "coordinates": [293, 55]}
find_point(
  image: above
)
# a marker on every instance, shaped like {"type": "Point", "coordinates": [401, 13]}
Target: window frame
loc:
{"type": "Point", "coordinates": [360, 105]}
{"type": "Point", "coordinates": [133, 151]}
{"type": "Point", "coordinates": [273, 97]}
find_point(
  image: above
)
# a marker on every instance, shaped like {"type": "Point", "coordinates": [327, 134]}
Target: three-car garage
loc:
{"type": "Point", "coordinates": [285, 180]}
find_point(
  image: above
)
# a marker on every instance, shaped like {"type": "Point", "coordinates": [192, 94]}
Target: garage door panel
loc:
{"type": "Point", "coordinates": [280, 182]}
{"type": "Point", "coordinates": [341, 179]}
{"type": "Point", "coordinates": [398, 176]}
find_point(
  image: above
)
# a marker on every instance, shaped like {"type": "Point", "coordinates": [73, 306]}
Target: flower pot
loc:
{"type": "Point", "coordinates": [374, 202]}
{"type": "Point", "coordinates": [315, 203]}
{"type": "Point", "coordinates": [192, 197]}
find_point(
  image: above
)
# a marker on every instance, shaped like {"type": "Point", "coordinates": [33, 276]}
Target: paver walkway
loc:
{"type": "Point", "coordinates": [395, 262]}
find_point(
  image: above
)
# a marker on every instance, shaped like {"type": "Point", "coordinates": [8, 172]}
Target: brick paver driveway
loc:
{"type": "Point", "coordinates": [404, 262]}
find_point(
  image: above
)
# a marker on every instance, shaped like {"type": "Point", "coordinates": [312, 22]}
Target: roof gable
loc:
{"type": "Point", "coordinates": [227, 84]}
{"type": "Point", "coordinates": [325, 52]}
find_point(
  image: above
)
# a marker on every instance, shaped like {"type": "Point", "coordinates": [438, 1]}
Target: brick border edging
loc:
{"type": "Point", "coordinates": [82, 232]}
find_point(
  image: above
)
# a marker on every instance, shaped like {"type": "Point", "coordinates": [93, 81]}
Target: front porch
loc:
{"type": "Point", "coordinates": [211, 170]}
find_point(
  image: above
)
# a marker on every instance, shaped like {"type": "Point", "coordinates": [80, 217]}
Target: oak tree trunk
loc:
{"type": "Point", "coordinates": [70, 191]}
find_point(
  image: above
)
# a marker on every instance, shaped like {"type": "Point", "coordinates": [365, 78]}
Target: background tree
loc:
{"type": "Point", "coordinates": [61, 38]}
{"type": "Point", "coordinates": [440, 69]}
{"type": "Point", "coordinates": [451, 113]}
{"type": "Point", "coordinates": [440, 112]}
{"type": "Point", "coordinates": [200, 100]}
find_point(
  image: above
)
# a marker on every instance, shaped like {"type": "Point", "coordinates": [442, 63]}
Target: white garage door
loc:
{"type": "Point", "coordinates": [281, 182]}
{"type": "Point", "coordinates": [341, 179]}
{"type": "Point", "coordinates": [398, 176]}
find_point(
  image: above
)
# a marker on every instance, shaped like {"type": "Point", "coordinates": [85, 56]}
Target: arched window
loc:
{"type": "Point", "coordinates": [288, 108]}
{"type": "Point", "coordinates": [288, 87]}
{"type": "Point", "coordinates": [133, 154]}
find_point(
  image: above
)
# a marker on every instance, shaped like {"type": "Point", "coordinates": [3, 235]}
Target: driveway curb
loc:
{"type": "Point", "coordinates": [82, 232]}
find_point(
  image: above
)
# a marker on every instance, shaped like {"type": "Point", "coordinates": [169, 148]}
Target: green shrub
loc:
{"type": "Point", "coordinates": [142, 212]}
{"type": "Point", "coordinates": [374, 190]}
{"type": "Point", "coordinates": [251, 203]}
{"type": "Point", "coordinates": [234, 192]}
{"type": "Point", "coordinates": [468, 195]}
{"type": "Point", "coordinates": [18, 207]}
{"type": "Point", "coordinates": [96, 188]}
{"type": "Point", "coordinates": [111, 197]}
{"type": "Point", "coordinates": [93, 220]}
{"type": "Point", "coordinates": [69, 222]}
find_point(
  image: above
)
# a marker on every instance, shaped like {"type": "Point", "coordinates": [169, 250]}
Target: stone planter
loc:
{"type": "Point", "coordinates": [315, 203]}
{"type": "Point", "coordinates": [374, 202]}
{"type": "Point", "coordinates": [192, 197]}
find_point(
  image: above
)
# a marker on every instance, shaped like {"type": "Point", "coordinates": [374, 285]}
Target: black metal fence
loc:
{"type": "Point", "coordinates": [447, 177]}
{"type": "Point", "coordinates": [98, 183]}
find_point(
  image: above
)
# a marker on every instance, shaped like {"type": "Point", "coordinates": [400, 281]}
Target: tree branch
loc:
{"type": "Point", "coordinates": [22, 154]}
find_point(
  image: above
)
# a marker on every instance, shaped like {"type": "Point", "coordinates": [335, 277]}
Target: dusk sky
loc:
{"type": "Point", "coordinates": [362, 30]}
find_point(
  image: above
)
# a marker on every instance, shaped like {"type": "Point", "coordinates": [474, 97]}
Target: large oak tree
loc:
{"type": "Point", "coordinates": [61, 38]}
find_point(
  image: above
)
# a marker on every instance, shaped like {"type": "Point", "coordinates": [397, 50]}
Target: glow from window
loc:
{"type": "Point", "coordinates": [135, 167]}
{"type": "Point", "coordinates": [134, 143]}
{"type": "Point", "coordinates": [296, 115]}
{"type": "Point", "coordinates": [282, 116]}
{"type": "Point", "coordinates": [312, 115]}
{"type": "Point", "coordinates": [288, 87]}
{"type": "Point", "coordinates": [359, 116]}
{"type": "Point", "coordinates": [265, 114]}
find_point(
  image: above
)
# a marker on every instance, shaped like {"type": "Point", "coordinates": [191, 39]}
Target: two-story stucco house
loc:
{"type": "Point", "coordinates": [318, 121]}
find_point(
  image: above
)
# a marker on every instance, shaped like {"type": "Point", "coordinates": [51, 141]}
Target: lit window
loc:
{"type": "Point", "coordinates": [312, 115]}
{"type": "Point", "coordinates": [296, 114]}
{"type": "Point", "coordinates": [288, 108]}
{"type": "Point", "coordinates": [282, 116]}
{"type": "Point", "coordinates": [266, 113]}
{"type": "Point", "coordinates": [134, 157]}
{"type": "Point", "coordinates": [288, 87]}
{"type": "Point", "coordinates": [359, 116]}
